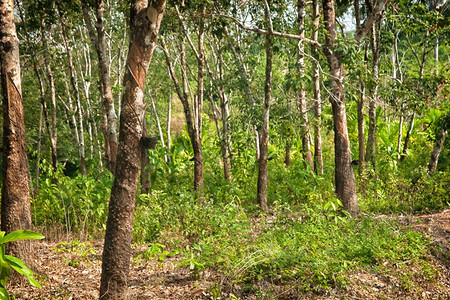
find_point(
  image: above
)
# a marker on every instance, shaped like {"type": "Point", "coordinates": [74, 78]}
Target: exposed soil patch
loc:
{"type": "Point", "coordinates": [73, 272]}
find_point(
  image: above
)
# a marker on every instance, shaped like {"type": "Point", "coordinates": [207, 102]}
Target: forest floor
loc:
{"type": "Point", "coordinates": [71, 270]}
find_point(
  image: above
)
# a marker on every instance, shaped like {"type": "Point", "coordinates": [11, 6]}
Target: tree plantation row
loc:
{"type": "Point", "coordinates": [145, 120]}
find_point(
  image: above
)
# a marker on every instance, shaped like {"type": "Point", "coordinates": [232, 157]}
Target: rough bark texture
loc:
{"type": "Point", "coordinates": [15, 205]}
{"type": "Point", "coordinates": [109, 117]}
{"type": "Point", "coordinates": [318, 161]}
{"type": "Point", "coordinates": [344, 177]}
{"type": "Point", "coordinates": [263, 172]}
{"type": "Point", "coordinates": [306, 150]}
{"type": "Point", "coordinates": [432, 165]}
{"type": "Point", "coordinates": [145, 20]}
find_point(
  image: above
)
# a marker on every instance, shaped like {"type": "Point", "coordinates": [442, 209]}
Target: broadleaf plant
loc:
{"type": "Point", "coordinates": [7, 261]}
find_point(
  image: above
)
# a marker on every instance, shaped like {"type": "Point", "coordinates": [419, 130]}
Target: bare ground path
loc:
{"type": "Point", "coordinates": [72, 271]}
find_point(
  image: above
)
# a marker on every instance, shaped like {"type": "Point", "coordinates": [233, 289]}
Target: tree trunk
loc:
{"type": "Point", "coordinates": [361, 101]}
{"type": "Point", "coordinates": [74, 82]}
{"type": "Point", "coordinates": [145, 169]}
{"type": "Point", "coordinates": [344, 177]}
{"type": "Point", "coordinates": [169, 120]}
{"type": "Point", "coordinates": [318, 161]}
{"type": "Point", "coordinates": [306, 150]}
{"type": "Point", "coordinates": [109, 117]}
{"type": "Point", "coordinates": [243, 72]}
{"type": "Point", "coordinates": [145, 20]}
{"type": "Point", "coordinates": [224, 113]}
{"type": "Point", "coordinates": [15, 198]}
{"type": "Point", "coordinates": [54, 156]}
{"type": "Point", "coordinates": [432, 165]}
{"type": "Point", "coordinates": [408, 137]}
{"type": "Point", "coordinates": [371, 135]}
{"type": "Point", "coordinates": [194, 134]}
{"type": "Point", "coordinates": [263, 172]}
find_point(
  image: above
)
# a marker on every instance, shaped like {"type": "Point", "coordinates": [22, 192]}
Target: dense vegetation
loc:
{"type": "Point", "coordinates": [306, 239]}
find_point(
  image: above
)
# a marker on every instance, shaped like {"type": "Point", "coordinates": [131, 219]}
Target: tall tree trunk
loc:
{"type": "Point", "coordinates": [109, 117]}
{"type": "Point", "coordinates": [54, 156]}
{"type": "Point", "coordinates": [306, 150]}
{"type": "Point", "coordinates": [216, 79]}
{"type": "Point", "coordinates": [432, 165]}
{"type": "Point", "coordinates": [190, 115]}
{"type": "Point", "coordinates": [145, 20]}
{"type": "Point", "coordinates": [371, 134]}
{"type": "Point", "coordinates": [361, 100]}
{"type": "Point", "coordinates": [244, 74]}
{"type": "Point", "coordinates": [344, 177]}
{"type": "Point", "coordinates": [74, 82]}
{"type": "Point", "coordinates": [15, 198]}
{"type": "Point", "coordinates": [263, 172]}
{"type": "Point", "coordinates": [318, 161]}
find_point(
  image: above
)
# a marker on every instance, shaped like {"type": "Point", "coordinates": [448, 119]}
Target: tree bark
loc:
{"type": "Point", "coordinates": [109, 117]}
{"type": "Point", "coordinates": [145, 20]}
{"type": "Point", "coordinates": [371, 135]}
{"type": "Point", "coordinates": [15, 198]}
{"type": "Point", "coordinates": [74, 82]}
{"type": "Point", "coordinates": [432, 165]}
{"type": "Point", "coordinates": [306, 150]}
{"type": "Point", "coordinates": [263, 172]}
{"type": "Point", "coordinates": [344, 177]}
{"type": "Point", "coordinates": [318, 161]}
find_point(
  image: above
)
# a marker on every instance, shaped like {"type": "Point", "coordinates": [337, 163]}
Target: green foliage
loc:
{"type": "Point", "coordinates": [79, 204]}
{"type": "Point", "coordinates": [7, 261]}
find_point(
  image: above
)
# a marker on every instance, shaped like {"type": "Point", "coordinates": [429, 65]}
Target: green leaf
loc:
{"type": "Point", "coordinates": [22, 269]}
{"type": "Point", "coordinates": [4, 294]}
{"type": "Point", "coordinates": [21, 235]}
{"type": "Point", "coordinates": [5, 269]}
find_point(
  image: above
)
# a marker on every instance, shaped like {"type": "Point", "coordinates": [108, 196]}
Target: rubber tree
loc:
{"type": "Point", "coordinates": [145, 20]}
{"type": "Point", "coordinates": [15, 205]}
{"type": "Point", "coordinates": [97, 36]}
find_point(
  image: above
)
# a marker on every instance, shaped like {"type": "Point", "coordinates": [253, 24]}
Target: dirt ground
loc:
{"type": "Point", "coordinates": [71, 271]}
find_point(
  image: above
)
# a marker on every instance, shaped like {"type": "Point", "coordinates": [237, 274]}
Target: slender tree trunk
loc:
{"type": "Point", "coordinates": [344, 177]}
{"type": "Point", "coordinates": [74, 82]}
{"type": "Point", "coordinates": [400, 132]}
{"type": "Point", "coordinates": [145, 20]}
{"type": "Point", "coordinates": [15, 196]}
{"type": "Point", "coordinates": [318, 161]}
{"type": "Point", "coordinates": [361, 101]}
{"type": "Point", "coordinates": [54, 156]}
{"type": "Point", "coordinates": [408, 137]}
{"type": "Point", "coordinates": [224, 113]}
{"type": "Point", "coordinates": [306, 150]}
{"type": "Point", "coordinates": [194, 134]}
{"type": "Point", "coordinates": [169, 121]}
{"type": "Point", "coordinates": [263, 172]}
{"type": "Point", "coordinates": [371, 135]}
{"type": "Point", "coordinates": [287, 154]}
{"type": "Point", "coordinates": [432, 165]}
{"type": "Point", "coordinates": [244, 74]}
{"type": "Point", "coordinates": [38, 152]}
{"type": "Point", "coordinates": [145, 169]}
{"type": "Point", "coordinates": [109, 117]}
